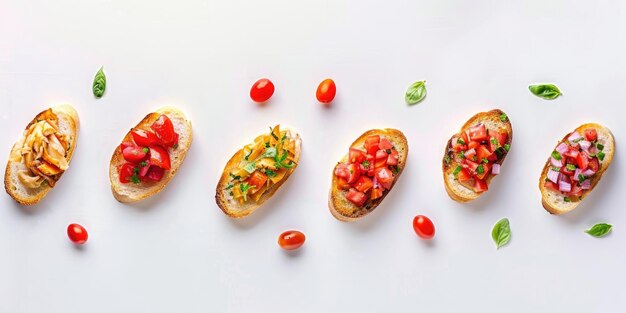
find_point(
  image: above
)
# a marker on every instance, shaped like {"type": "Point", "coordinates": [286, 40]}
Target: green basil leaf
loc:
{"type": "Point", "coordinates": [99, 83]}
{"type": "Point", "coordinates": [415, 93]}
{"type": "Point", "coordinates": [599, 230]}
{"type": "Point", "coordinates": [545, 91]}
{"type": "Point", "coordinates": [501, 232]}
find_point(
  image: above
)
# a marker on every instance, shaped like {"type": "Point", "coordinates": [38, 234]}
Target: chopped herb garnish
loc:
{"type": "Point", "coordinates": [135, 178]}
{"type": "Point", "coordinates": [366, 164]}
{"type": "Point", "coordinates": [600, 146]}
{"type": "Point", "coordinates": [248, 155]}
{"type": "Point", "coordinates": [503, 117]}
{"type": "Point", "coordinates": [460, 141]}
{"type": "Point", "coordinates": [484, 161]}
{"type": "Point", "coordinates": [244, 189]}
{"type": "Point", "coordinates": [581, 178]}
{"type": "Point", "coordinates": [145, 150]}
{"type": "Point", "coordinates": [462, 155]}
{"type": "Point", "coordinates": [457, 170]}
{"type": "Point", "coordinates": [250, 167]}
{"type": "Point", "coordinates": [143, 164]}
{"type": "Point", "coordinates": [495, 142]}
{"type": "Point", "coordinates": [284, 137]}
{"type": "Point", "coordinates": [571, 167]}
{"type": "Point", "coordinates": [281, 159]}
{"type": "Point", "coordinates": [556, 169]}
{"type": "Point", "coordinates": [272, 133]}
{"type": "Point", "coordinates": [395, 169]}
{"type": "Point", "coordinates": [231, 193]}
{"type": "Point", "coordinates": [270, 173]}
{"type": "Point", "coordinates": [556, 155]}
{"type": "Point", "coordinates": [234, 176]}
{"type": "Point", "coordinates": [480, 169]}
{"type": "Point", "coordinates": [229, 186]}
{"type": "Point", "coordinates": [388, 151]}
{"type": "Point", "coordinates": [507, 147]}
{"type": "Point", "coordinates": [474, 158]}
{"type": "Point", "coordinates": [447, 159]}
{"type": "Point", "coordinates": [601, 156]}
{"type": "Point", "coordinates": [566, 199]}
{"type": "Point", "coordinates": [267, 145]}
{"type": "Point", "coordinates": [175, 146]}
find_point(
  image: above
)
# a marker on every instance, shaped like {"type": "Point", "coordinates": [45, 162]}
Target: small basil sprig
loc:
{"type": "Point", "coordinates": [501, 232]}
{"type": "Point", "coordinates": [415, 93]}
{"type": "Point", "coordinates": [545, 91]}
{"type": "Point", "coordinates": [99, 83]}
{"type": "Point", "coordinates": [599, 230]}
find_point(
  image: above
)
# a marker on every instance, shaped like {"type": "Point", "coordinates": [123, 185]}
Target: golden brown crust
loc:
{"type": "Point", "coordinates": [120, 191]}
{"type": "Point", "coordinates": [455, 190]}
{"type": "Point", "coordinates": [558, 209]}
{"type": "Point", "coordinates": [346, 211]}
{"type": "Point", "coordinates": [242, 210]}
{"type": "Point", "coordinates": [72, 117]}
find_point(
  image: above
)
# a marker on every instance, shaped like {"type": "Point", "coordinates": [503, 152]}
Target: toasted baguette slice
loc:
{"type": "Point", "coordinates": [232, 207]}
{"type": "Point", "coordinates": [68, 124]}
{"type": "Point", "coordinates": [494, 120]}
{"type": "Point", "coordinates": [554, 202]}
{"type": "Point", "coordinates": [344, 210]}
{"type": "Point", "coordinates": [131, 192]}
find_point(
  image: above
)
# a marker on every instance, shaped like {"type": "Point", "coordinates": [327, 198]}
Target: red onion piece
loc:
{"type": "Point", "coordinates": [588, 173]}
{"type": "Point", "coordinates": [562, 148]}
{"type": "Point", "coordinates": [565, 187]}
{"type": "Point", "coordinates": [495, 169]}
{"type": "Point", "coordinates": [574, 137]}
{"type": "Point", "coordinates": [470, 152]}
{"type": "Point", "coordinates": [585, 145]}
{"type": "Point", "coordinates": [586, 184]}
{"type": "Point", "coordinates": [576, 173]}
{"type": "Point", "coordinates": [553, 176]}
{"type": "Point", "coordinates": [555, 162]}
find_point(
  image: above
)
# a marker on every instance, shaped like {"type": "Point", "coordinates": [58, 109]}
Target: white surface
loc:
{"type": "Point", "coordinates": [178, 252]}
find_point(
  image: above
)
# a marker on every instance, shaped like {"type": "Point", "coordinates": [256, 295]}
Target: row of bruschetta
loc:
{"type": "Point", "coordinates": [153, 150]}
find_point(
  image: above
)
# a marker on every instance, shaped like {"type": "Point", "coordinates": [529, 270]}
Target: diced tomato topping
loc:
{"type": "Point", "coordinates": [363, 184]}
{"type": "Point", "coordinates": [356, 197]}
{"type": "Point", "coordinates": [550, 185]}
{"type": "Point", "coordinates": [134, 154]}
{"type": "Point", "coordinates": [458, 147]}
{"type": "Point", "coordinates": [126, 172]}
{"type": "Point", "coordinates": [483, 153]}
{"type": "Point", "coordinates": [353, 173]}
{"type": "Point", "coordinates": [469, 165]}
{"type": "Point", "coordinates": [478, 133]}
{"type": "Point", "coordinates": [376, 193]}
{"type": "Point", "coordinates": [341, 171]}
{"type": "Point", "coordinates": [125, 145]}
{"type": "Point", "coordinates": [143, 170]}
{"type": "Point", "coordinates": [164, 129]}
{"type": "Point", "coordinates": [566, 171]}
{"type": "Point", "coordinates": [257, 179]}
{"type": "Point", "coordinates": [380, 163]}
{"type": "Point", "coordinates": [155, 173]}
{"type": "Point", "coordinates": [371, 144]}
{"type": "Point", "coordinates": [342, 184]}
{"type": "Point", "coordinates": [473, 144]}
{"type": "Point", "coordinates": [381, 154]}
{"type": "Point", "coordinates": [485, 172]}
{"type": "Point", "coordinates": [464, 176]}
{"type": "Point", "coordinates": [582, 162]}
{"type": "Point", "coordinates": [594, 164]}
{"type": "Point", "coordinates": [480, 185]}
{"type": "Point", "coordinates": [384, 175]}
{"type": "Point", "coordinates": [385, 144]}
{"type": "Point", "coordinates": [144, 138]}
{"type": "Point", "coordinates": [591, 134]}
{"type": "Point", "coordinates": [356, 155]}
{"type": "Point", "coordinates": [572, 153]}
{"type": "Point", "coordinates": [466, 140]}
{"type": "Point", "coordinates": [160, 157]}
{"type": "Point", "coordinates": [393, 158]}
{"type": "Point", "coordinates": [576, 191]}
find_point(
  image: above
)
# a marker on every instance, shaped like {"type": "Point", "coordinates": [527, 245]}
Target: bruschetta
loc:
{"type": "Point", "coordinates": [366, 175]}
{"type": "Point", "coordinates": [42, 154]}
{"type": "Point", "coordinates": [150, 155]}
{"type": "Point", "coordinates": [575, 167]}
{"type": "Point", "coordinates": [255, 172]}
{"type": "Point", "coordinates": [474, 155]}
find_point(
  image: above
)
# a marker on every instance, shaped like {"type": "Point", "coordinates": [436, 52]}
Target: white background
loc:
{"type": "Point", "coordinates": [177, 252]}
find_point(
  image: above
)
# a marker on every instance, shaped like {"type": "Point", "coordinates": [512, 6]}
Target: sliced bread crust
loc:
{"type": "Point", "coordinates": [131, 192]}
{"type": "Point", "coordinates": [344, 210]}
{"type": "Point", "coordinates": [553, 201]}
{"type": "Point", "coordinates": [491, 119]}
{"type": "Point", "coordinates": [69, 125]}
{"type": "Point", "coordinates": [234, 209]}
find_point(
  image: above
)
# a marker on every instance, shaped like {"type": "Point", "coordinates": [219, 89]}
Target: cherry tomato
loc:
{"type": "Point", "coordinates": [423, 227]}
{"type": "Point", "coordinates": [135, 154]}
{"type": "Point", "coordinates": [291, 239]}
{"type": "Point", "coordinates": [326, 91]}
{"type": "Point", "coordinates": [159, 157]}
{"type": "Point", "coordinates": [591, 134]}
{"type": "Point", "coordinates": [164, 129]}
{"type": "Point", "coordinates": [356, 197]}
{"type": "Point", "coordinates": [77, 233]}
{"type": "Point", "coordinates": [126, 172]}
{"type": "Point", "coordinates": [262, 90]}
{"type": "Point", "coordinates": [154, 173]}
{"type": "Point", "coordinates": [144, 138]}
